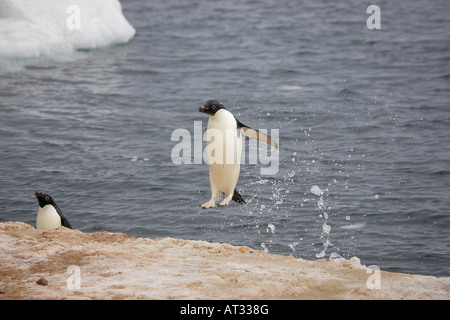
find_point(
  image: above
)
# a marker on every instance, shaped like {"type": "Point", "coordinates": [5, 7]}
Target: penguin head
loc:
{"type": "Point", "coordinates": [44, 199]}
{"type": "Point", "coordinates": [211, 107]}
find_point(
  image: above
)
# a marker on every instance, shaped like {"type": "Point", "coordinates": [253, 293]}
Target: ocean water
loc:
{"type": "Point", "coordinates": [363, 118]}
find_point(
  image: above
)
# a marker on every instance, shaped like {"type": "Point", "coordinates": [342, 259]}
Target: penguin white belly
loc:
{"type": "Point", "coordinates": [224, 152]}
{"type": "Point", "coordinates": [48, 218]}
{"type": "Point", "coordinates": [223, 178]}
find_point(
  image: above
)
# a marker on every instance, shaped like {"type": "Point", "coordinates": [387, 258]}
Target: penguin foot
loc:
{"type": "Point", "coordinates": [225, 201]}
{"type": "Point", "coordinates": [209, 204]}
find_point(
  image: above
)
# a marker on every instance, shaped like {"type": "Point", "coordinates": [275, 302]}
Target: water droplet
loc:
{"type": "Point", "coordinates": [292, 245]}
{"type": "Point", "coordinates": [335, 255]}
{"type": "Point", "coordinates": [321, 254]}
{"type": "Point", "coordinates": [263, 245]}
{"type": "Point", "coordinates": [326, 228]}
{"type": "Point", "coordinates": [316, 190]}
{"type": "Point", "coordinates": [320, 203]}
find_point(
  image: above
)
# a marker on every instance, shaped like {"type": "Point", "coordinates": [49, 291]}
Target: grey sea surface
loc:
{"type": "Point", "coordinates": [363, 118]}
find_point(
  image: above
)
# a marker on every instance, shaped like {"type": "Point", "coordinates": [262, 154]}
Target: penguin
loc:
{"type": "Point", "coordinates": [49, 214]}
{"type": "Point", "coordinates": [224, 150]}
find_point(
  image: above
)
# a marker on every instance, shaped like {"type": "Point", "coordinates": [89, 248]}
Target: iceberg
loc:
{"type": "Point", "coordinates": [49, 28]}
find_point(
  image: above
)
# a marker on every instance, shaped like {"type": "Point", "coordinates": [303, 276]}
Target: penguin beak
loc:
{"type": "Point", "coordinates": [201, 109]}
{"type": "Point", "coordinates": [38, 194]}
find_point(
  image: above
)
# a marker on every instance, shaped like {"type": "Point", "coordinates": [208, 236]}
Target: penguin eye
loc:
{"type": "Point", "coordinates": [47, 198]}
{"type": "Point", "coordinates": [213, 107]}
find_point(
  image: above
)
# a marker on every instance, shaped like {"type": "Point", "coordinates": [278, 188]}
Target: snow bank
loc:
{"type": "Point", "coordinates": [103, 265]}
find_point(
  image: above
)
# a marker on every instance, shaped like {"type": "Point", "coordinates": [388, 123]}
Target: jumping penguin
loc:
{"type": "Point", "coordinates": [49, 214]}
{"type": "Point", "coordinates": [224, 150]}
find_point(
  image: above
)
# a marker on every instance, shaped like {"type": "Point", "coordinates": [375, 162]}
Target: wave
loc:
{"type": "Point", "coordinates": [36, 28]}
{"type": "Point", "coordinates": [354, 226]}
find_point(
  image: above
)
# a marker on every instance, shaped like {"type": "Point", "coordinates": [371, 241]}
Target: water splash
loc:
{"type": "Point", "coordinates": [326, 228]}
{"type": "Point", "coordinates": [276, 200]}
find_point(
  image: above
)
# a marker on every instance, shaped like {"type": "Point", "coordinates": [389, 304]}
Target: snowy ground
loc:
{"type": "Point", "coordinates": [70, 264]}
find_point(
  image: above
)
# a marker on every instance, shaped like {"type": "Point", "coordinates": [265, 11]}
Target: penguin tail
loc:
{"type": "Point", "coordinates": [237, 197]}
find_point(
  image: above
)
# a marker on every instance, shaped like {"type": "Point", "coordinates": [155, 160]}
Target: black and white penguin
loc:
{"type": "Point", "coordinates": [49, 214]}
{"type": "Point", "coordinates": [224, 150]}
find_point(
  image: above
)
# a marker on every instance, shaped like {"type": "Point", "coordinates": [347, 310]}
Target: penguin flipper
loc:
{"type": "Point", "coordinates": [237, 197]}
{"type": "Point", "coordinates": [64, 221]}
{"type": "Point", "coordinates": [251, 133]}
